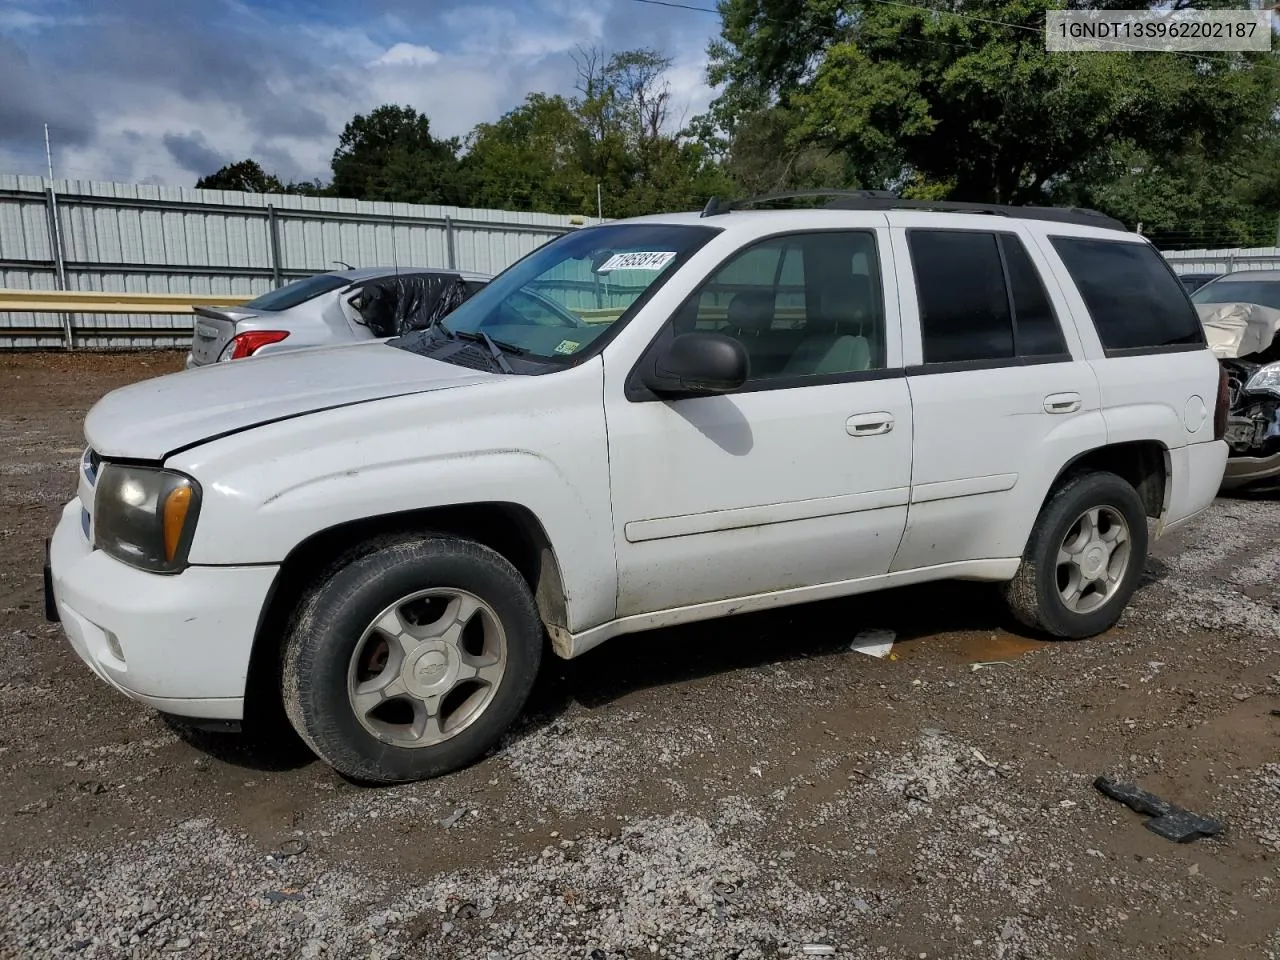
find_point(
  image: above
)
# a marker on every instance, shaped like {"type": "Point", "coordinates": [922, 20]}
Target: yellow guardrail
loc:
{"type": "Point", "coordinates": [86, 301]}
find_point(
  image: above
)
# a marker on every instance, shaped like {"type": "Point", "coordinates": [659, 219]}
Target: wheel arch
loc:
{"type": "Point", "coordinates": [510, 529]}
{"type": "Point", "coordinates": [1145, 464]}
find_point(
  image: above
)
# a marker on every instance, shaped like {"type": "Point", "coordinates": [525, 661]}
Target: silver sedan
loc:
{"type": "Point", "coordinates": [329, 309]}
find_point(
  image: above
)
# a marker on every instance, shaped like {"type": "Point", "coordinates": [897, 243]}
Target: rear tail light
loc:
{"type": "Point", "coordinates": [1223, 406]}
{"type": "Point", "coordinates": [250, 342]}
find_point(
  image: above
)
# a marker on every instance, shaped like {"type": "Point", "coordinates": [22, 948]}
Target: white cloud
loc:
{"type": "Point", "coordinates": [407, 54]}
{"type": "Point", "coordinates": [461, 65]}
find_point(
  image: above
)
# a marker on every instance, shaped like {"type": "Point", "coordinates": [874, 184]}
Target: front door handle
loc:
{"type": "Point", "coordinates": [1062, 403]}
{"type": "Point", "coordinates": [868, 424]}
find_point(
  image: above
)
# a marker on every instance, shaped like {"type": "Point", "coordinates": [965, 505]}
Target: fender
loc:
{"type": "Point", "coordinates": [534, 441]}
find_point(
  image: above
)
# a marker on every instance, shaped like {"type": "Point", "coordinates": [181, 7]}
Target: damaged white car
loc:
{"type": "Point", "coordinates": [1241, 316]}
{"type": "Point", "coordinates": [640, 424]}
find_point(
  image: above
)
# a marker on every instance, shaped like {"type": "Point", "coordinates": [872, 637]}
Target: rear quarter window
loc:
{"type": "Point", "coordinates": [1137, 303]}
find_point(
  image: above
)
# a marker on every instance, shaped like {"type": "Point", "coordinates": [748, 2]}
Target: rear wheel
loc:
{"type": "Point", "coordinates": [411, 660]}
{"type": "Point", "coordinates": [1084, 558]}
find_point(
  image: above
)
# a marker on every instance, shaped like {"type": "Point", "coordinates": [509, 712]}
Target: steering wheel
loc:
{"type": "Point", "coordinates": [566, 317]}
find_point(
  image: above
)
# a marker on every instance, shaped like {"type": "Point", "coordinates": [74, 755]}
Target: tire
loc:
{"type": "Point", "coordinates": [322, 677]}
{"type": "Point", "coordinates": [1036, 594]}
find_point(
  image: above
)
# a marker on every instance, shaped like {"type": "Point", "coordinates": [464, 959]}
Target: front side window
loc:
{"type": "Point", "coordinates": [802, 305]}
{"type": "Point", "coordinates": [1134, 298]}
{"type": "Point", "coordinates": [556, 302]}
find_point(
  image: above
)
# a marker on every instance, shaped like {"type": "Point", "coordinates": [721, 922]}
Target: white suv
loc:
{"type": "Point", "coordinates": [643, 423]}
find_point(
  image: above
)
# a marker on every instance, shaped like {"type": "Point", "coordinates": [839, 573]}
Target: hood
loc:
{"type": "Point", "coordinates": [1238, 329]}
{"type": "Point", "coordinates": [154, 418]}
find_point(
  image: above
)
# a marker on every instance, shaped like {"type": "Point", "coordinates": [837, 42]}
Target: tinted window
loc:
{"type": "Point", "coordinates": [300, 291]}
{"type": "Point", "coordinates": [802, 305]}
{"type": "Point", "coordinates": [1037, 328]}
{"type": "Point", "coordinates": [1134, 298]}
{"type": "Point", "coordinates": [964, 307]}
{"type": "Point", "coordinates": [1264, 292]}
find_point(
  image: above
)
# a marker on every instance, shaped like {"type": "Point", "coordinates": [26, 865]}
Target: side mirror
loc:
{"type": "Point", "coordinates": [699, 364]}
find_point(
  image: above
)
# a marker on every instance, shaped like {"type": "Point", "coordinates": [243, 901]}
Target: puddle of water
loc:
{"type": "Point", "coordinates": [997, 646]}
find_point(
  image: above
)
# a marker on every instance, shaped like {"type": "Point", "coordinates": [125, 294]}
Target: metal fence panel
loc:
{"type": "Point", "coordinates": [1225, 260]}
{"type": "Point", "coordinates": [144, 238]}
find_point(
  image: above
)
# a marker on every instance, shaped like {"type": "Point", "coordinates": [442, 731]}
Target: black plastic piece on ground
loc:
{"type": "Point", "coordinates": [1167, 820]}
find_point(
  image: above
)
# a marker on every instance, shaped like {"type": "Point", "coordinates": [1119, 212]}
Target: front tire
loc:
{"type": "Point", "coordinates": [1084, 558]}
{"type": "Point", "coordinates": [411, 660]}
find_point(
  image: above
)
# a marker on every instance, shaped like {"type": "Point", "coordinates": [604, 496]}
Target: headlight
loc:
{"type": "Point", "coordinates": [1266, 380]}
{"type": "Point", "coordinates": [145, 517]}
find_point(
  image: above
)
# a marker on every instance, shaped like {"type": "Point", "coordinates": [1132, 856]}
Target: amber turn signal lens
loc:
{"type": "Point", "coordinates": [175, 517]}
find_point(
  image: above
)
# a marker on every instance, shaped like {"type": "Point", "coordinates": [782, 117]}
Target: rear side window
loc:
{"type": "Point", "coordinates": [981, 299]}
{"type": "Point", "coordinates": [1036, 327]}
{"type": "Point", "coordinates": [964, 308]}
{"type": "Point", "coordinates": [1134, 298]}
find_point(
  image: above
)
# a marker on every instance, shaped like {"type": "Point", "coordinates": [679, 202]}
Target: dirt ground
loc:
{"type": "Point", "coordinates": [738, 789]}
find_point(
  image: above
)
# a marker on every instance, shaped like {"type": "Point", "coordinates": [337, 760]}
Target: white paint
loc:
{"type": "Point", "coordinates": [658, 512]}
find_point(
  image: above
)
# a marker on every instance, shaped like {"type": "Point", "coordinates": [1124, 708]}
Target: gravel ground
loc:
{"type": "Point", "coordinates": [737, 789]}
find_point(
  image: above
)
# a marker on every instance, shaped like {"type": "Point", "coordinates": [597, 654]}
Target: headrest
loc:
{"type": "Point", "coordinates": [843, 306]}
{"type": "Point", "coordinates": [751, 311]}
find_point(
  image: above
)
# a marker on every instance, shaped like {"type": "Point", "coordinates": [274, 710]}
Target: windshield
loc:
{"type": "Point", "coordinates": [558, 300]}
{"type": "Point", "coordinates": [1264, 292]}
{"type": "Point", "coordinates": [300, 291]}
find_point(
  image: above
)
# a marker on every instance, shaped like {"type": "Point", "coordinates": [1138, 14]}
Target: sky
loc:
{"type": "Point", "coordinates": [163, 91]}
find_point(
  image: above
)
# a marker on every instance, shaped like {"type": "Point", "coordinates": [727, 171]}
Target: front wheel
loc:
{"type": "Point", "coordinates": [1083, 560]}
{"type": "Point", "coordinates": [412, 660]}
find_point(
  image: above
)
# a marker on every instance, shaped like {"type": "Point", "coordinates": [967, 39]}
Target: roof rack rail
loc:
{"type": "Point", "coordinates": [888, 200]}
{"type": "Point", "coordinates": [1077, 215]}
{"type": "Point", "coordinates": [715, 206]}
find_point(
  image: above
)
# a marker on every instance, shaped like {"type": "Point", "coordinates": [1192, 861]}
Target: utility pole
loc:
{"type": "Point", "coordinates": [55, 228]}
{"type": "Point", "coordinates": [599, 202]}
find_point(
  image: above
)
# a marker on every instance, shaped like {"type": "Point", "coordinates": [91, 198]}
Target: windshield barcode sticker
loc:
{"type": "Point", "coordinates": [636, 261]}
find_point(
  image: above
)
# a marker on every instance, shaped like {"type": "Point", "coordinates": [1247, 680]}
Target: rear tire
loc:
{"type": "Point", "coordinates": [412, 659]}
{"type": "Point", "coordinates": [1083, 560]}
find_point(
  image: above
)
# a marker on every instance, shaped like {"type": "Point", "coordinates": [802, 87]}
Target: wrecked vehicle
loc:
{"type": "Point", "coordinates": [1241, 317]}
{"type": "Point", "coordinates": [330, 309]}
{"type": "Point", "coordinates": [640, 424]}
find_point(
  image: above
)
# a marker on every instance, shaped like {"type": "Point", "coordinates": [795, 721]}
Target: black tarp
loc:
{"type": "Point", "coordinates": [391, 306]}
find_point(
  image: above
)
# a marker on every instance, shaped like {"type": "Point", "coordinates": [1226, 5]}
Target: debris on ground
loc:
{"type": "Point", "coordinates": [987, 664]}
{"type": "Point", "coordinates": [874, 643]}
{"type": "Point", "coordinates": [817, 949]}
{"type": "Point", "coordinates": [1167, 820]}
{"type": "Point", "coordinates": [292, 847]}
{"type": "Point", "coordinates": [280, 896]}
{"type": "Point", "coordinates": [453, 818]}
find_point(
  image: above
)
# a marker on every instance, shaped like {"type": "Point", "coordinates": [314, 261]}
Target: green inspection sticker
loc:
{"type": "Point", "coordinates": [567, 346]}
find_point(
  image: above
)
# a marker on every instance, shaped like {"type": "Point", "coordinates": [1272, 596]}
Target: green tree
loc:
{"type": "Point", "coordinates": [530, 159]}
{"type": "Point", "coordinates": [390, 154]}
{"type": "Point", "coordinates": [246, 176]}
{"type": "Point", "coordinates": [551, 152]}
{"type": "Point", "coordinates": [972, 106]}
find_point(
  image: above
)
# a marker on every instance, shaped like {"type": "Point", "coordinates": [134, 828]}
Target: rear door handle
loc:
{"type": "Point", "coordinates": [869, 424]}
{"type": "Point", "coordinates": [1062, 403]}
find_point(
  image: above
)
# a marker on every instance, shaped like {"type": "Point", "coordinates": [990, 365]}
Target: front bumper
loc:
{"type": "Point", "coordinates": [179, 644]}
{"type": "Point", "coordinates": [1245, 470]}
